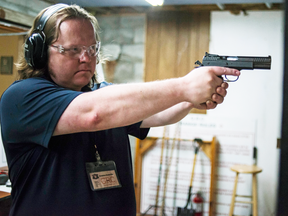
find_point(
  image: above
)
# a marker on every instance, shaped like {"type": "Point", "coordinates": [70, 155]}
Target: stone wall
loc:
{"type": "Point", "coordinates": [123, 42]}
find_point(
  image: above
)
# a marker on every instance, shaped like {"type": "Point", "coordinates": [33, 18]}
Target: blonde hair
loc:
{"type": "Point", "coordinates": [51, 31]}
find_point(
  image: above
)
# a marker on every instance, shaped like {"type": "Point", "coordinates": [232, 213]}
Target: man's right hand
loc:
{"type": "Point", "coordinates": [204, 86]}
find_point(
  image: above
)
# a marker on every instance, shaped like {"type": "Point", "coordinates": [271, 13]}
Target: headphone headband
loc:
{"type": "Point", "coordinates": [35, 45]}
{"type": "Point", "coordinates": [47, 14]}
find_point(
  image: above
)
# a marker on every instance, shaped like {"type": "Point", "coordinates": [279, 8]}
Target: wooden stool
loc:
{"type": "Point", "coordinates": [250, 169]}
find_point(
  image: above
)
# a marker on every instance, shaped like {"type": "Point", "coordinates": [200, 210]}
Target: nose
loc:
{"type": "Point", "coordinates": [84, 56]}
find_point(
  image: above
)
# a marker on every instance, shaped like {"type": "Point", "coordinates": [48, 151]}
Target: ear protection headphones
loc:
{"type": "Point", "coordinates": [35, 45]}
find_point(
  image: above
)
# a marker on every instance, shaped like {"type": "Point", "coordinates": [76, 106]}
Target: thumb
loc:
{"type": "Point", "coordinates": [202, 106]}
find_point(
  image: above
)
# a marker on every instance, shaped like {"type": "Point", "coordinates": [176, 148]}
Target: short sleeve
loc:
{"type": "Point", "coordinates": [30, 110]}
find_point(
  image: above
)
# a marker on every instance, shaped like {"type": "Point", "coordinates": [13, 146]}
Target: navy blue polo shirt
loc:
{"type": "Point", "coordinates": [48, 172]}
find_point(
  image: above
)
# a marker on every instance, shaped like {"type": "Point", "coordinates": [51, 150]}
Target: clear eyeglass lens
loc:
{"type": "Point", "coordinates": [76, 52]}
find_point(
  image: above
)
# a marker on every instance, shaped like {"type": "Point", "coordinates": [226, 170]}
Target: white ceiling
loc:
{"type": "Point", "coordinates": [131, 3]}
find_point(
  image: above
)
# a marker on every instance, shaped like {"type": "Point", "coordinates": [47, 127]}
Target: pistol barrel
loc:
{"type": "Point", "coordinates": [262, 62]}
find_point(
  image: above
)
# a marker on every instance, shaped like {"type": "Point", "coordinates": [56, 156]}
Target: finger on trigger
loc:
{"type": "Point", "coordinates": [219, 71]}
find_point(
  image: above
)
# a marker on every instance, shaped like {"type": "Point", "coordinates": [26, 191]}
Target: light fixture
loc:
{"type": "Point", "coordinates": [155, 2]}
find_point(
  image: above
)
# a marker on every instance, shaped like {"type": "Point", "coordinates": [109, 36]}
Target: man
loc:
{"type": "Point", "coordinates": [53, 124]}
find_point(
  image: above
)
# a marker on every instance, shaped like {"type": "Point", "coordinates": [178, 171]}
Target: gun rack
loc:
{"type": "Point", "coordinates": [143, 146]}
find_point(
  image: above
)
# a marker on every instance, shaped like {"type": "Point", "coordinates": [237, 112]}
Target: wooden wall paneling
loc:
{"type": "Point", "coordinates": [174, 41]}
{"type": "Point", "coordinates": [152, 48]}
{"type": "Point", "coordinates": [194, 39]}
{"type": "Point", "coordinates": [204, 34]}
{"type": "Point", "coordinates": [183, 42]}
{"type": "Point", "coordinates": [200, 31]}
{"type": "Point", "coordinates": [168, 45]}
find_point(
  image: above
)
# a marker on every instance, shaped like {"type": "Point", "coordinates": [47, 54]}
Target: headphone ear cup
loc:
{"type": "Point", "coordinates": [36, 50]}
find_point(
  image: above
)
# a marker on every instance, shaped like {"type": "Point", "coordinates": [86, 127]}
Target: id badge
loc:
{"type": "Point", "coordinates": [102, 175]}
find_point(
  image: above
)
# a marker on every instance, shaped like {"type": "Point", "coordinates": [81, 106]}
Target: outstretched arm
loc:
{"type": "Point", "coordinates": [124, 104]}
